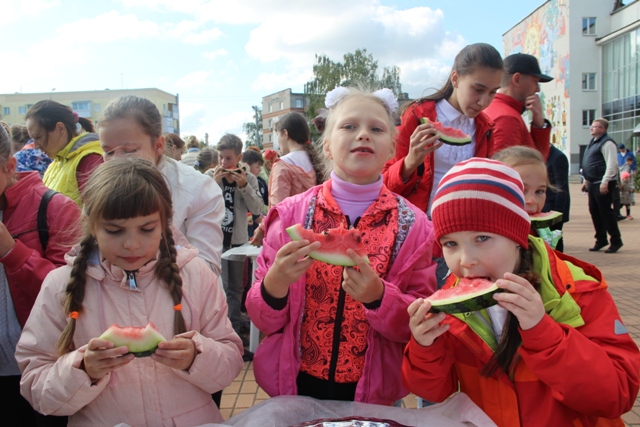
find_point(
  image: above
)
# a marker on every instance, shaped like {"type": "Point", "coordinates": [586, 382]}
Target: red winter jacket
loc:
{"type": "Point", "coordinates": [564, 376]}
{"type": "Point", "coordinates": [26, 265]}
{"type": "Point", "coordinates": [510, 129]}
{"type": "Point", "coordinates": [418, 188]}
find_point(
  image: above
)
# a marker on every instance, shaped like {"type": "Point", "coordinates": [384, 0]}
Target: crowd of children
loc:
{"type": "Point", "coordinates": [135, 231]}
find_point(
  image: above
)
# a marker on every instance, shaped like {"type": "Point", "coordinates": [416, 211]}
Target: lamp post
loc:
{"type": "Point", "coordinates": [51, 94]}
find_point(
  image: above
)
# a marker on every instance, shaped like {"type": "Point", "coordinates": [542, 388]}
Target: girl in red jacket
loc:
{"type": "Point", "coordinates": [421, 160]}
{"type": "Point", "coordinates": [24, 263]}
{"type": "Point", "coordinates": [553, 351]}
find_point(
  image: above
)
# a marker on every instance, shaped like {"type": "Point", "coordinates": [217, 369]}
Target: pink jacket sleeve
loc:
{"type": "Point", "coordinates": [53, 385]}
{"type": "Point", "coordinates": [412, 276]}
{"type": "Point", "coordinates": [218, 348]}
{"type": "Point", "coordinates": [26, 269]}
{"type": "Point", "coordinates": [267, 319]}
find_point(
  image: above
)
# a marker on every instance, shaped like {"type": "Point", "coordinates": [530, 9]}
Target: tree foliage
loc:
{"type": "Point", "coordinates": [254, 130]}
{"type": "Point", "coordinates": [357, 69]}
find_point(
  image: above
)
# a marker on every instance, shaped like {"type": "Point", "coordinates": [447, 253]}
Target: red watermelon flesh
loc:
{"type": "Point", "coordinates": [470, 294]}
{"type": "Point", "coordinates": [141, 341]}
{"type": "Point", "coordinates": [334, 244]}
{"type": "Point", "coordinates": [448, 135]}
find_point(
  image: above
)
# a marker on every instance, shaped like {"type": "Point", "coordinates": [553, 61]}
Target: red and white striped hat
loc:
{"type": "Point", "coordinates": [481, 195]}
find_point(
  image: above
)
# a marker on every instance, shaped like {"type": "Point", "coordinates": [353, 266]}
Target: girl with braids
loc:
{"type": "Point", "coordinates": [25, 260]}
{"type": "Point", "coordinates": [421, 159]}
{"type": "Point", "coordinates": [70, 141]}
{"type": "Point", "coordinates": [128, 271]}
{"type": "Point", "coordinates": [299, 168]}
{"type": "Point", "coordinates": [338, 332]}
{"type": "Point", "coordinates": [553, 351]}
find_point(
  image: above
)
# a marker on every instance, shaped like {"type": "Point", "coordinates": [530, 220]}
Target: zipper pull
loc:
{"type": "Point", "coordinates": [132, 280]}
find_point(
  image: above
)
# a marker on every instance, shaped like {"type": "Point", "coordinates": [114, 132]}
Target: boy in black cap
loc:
{"type": "Point", "coordinates": [517, 94]}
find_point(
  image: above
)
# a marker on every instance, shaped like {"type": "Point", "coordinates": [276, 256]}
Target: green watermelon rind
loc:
{"type": "Point", "coordinates": [466, 303]}
{"type": "Point", "coordinates": [139, 348]}
{"type": "Point", "coordinates": [449, 140]}
{"type": "Point", "coordinates": [550, 219]}
{"type": "Point", "coordinates": [333, 259]}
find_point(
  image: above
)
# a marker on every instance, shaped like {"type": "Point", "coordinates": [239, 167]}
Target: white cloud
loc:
{"type": "Point", "coordinates": [189, 32]}
{"type": "Point", "coordinates": [274, 82]}
{"type": "Point", "coordinates": [108, 27]}
{"type": "Point", "coordinates": [215, 54]}
{"type": "Point", "coordinates": [13, 10]}
{"type": "Point", "coordinates": [191, 80]}
{"type": "Point", "coordinates": [198, 121]}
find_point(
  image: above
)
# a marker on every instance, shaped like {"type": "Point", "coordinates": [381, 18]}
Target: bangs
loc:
{"type": "Point", "coordinates": [133, 199]}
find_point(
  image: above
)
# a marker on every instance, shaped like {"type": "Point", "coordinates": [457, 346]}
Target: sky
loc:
{"type": "Point", "coordinates": [223, 56]}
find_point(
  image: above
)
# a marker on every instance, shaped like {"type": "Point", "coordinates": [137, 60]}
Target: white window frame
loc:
{"type": "Point", "coordinates": [590, 116]}
{"type": "Point", "coordinates": [299, 103]}
{"type": "Point", "coordinates": [281, 105]}
{"type": "Point", "coordinates": [586, 80]}
{"type": "Point", "coordinates": [590, 30]}
{"type": "Point", "coordinates": [22, 110]}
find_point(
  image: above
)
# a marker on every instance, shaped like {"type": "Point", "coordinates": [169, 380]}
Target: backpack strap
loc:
{"type": "Point", "coordinates": [43, 226]}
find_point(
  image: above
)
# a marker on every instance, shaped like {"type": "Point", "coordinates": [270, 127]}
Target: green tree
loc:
{"type": "Point", "coordinates": [357, 69]}
{"type": "Point", "coordinates": [254, 130]}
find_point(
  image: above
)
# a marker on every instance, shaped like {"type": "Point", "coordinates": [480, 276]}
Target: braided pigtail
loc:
{"type": "Point", "coordinates": [167, 269]}
{"type": "Point", "coordinates": [72, 303]}
{"type": "Point", "coordinates": [316, 161]}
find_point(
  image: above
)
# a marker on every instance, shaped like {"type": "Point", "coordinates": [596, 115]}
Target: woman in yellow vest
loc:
{"type": "Point", "coordinates": [70, 141]}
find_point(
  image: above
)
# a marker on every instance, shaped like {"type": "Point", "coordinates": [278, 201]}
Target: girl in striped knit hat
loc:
{"type": "Point", "coordinates": [553, 351]}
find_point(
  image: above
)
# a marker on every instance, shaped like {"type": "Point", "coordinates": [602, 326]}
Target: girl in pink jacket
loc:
{"type": "Point", "coordinates": [128, 271]}
{"type": "Point", "coordinates": [338, 332]}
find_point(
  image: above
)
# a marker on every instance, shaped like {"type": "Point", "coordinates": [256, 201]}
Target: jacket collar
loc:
{"type": "Point", "coordinates": [102, 270]}
{"type": "Point", "coordinates": [75, 144]}
{"type": "Point", "coordinates": [511, 102]}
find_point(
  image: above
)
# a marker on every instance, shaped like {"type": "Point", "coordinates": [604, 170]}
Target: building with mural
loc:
{"type": "Point", "coordinates": [592, 49]}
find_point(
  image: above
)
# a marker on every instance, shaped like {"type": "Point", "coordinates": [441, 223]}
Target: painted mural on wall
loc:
{"type": "Point", "coordinates": [541, 34]}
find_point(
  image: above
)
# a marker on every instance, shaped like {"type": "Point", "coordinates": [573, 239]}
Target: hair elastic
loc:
{"type": "Point", "coordinates": [386, 95]}
{"type": "Point", "coordinates": [177, 307]}
{"type": "Point", "coordinates": [73, 315]}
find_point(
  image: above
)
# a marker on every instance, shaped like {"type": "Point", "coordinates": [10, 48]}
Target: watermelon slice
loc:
{"type": "Point", "coordinates": [467, 295]}
{"type": "Point", "coordinates": [545, 219]}
{"type": "Point", "coordinates": [141, 341]}
{"type": "Point", "coordinates": [451, 136]}
{"type": "Point", "coordinates": [334, 244]}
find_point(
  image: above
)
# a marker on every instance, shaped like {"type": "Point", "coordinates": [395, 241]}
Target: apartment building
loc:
{"type": "Point", "coordinates": [275, 106]}
{"type": "Point", "coordinates": [592, 49]}
{"type": "Point", "coordinates": [14, 107]}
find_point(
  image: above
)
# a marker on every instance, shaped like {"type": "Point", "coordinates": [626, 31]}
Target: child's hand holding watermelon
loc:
{"type": "Point", "coordinates": [101, 357]}
{"type": "Point", "coordinates": [364, 284]}
{"type": "Point", "coordinates": [425, 327]}
{"type": "Point", "coordinates": [177, 353]}
{"type": "Point", "coordinates": [424, 140]}
{"type": "Point", "coordinates": [291, 263]}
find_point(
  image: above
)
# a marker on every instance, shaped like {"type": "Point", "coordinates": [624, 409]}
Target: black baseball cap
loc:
{"type": "Point", "coordinates": [524, 64]}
